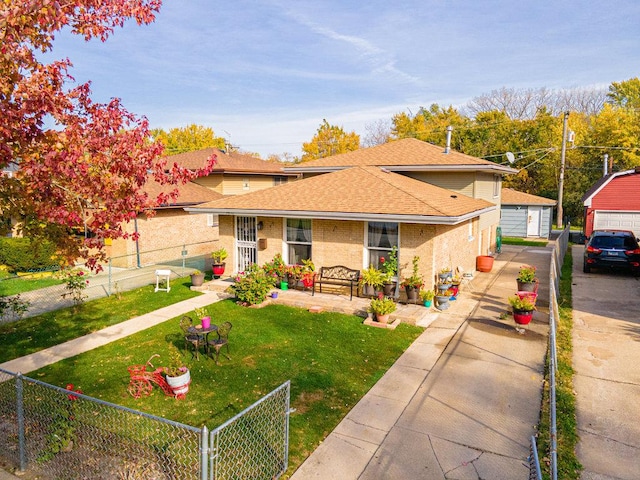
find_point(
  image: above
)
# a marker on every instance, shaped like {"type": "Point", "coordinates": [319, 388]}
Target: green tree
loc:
{"type": "Point", "coordinates": [430, 125]}
{"type": "Point", "coordinates": [188, 139]}
{"type": "Point", "coordinates": [329, 140]}
{"type": "Point", "coordinates": [625, 94]}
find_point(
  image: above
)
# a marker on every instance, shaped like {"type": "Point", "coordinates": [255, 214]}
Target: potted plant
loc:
{"type": "Point", "coordinates": [205, 319]}
{"type": "Point", "coordinates": [177, 374]}
{"type": "Point", "coordinates": [197, 278]}
{"type": "Point", "coordinates": [371, 279]}
{"type": "Point", "coordinates": [442, 299]}
{"type": "Point", "coordinates": [445, 273]}
{"type": "Point", "coordinates": [455, 285]}
{"type": "Point", "coordinates": [389, 269]}
{"type": "Point", "coordinates": [527, 280]}
{"type": "Point", "coordinates": [382, 308]}
{"type": "Point", "coordinates": [218, 257]}
{"type": "Point", "coordinates": [308, 274]}
{"type": "Point", "coordinates": [413, 283]}
{"type": "Point", "coordinates": [427, 297]}
{"type": "Point", "coordinates": [523, 308]}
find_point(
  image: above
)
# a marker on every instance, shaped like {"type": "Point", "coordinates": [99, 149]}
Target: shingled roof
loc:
{"type": "Point", "coordinates": [227, 162]}
{"type": "Point", "coordinates": [513, 197]}
{"type": "Point", "coordinates": [189, 193]}
{"type": "Point", "coordinates": [357, 193]}
{"type": "Point", "coordinates": [402, 155]}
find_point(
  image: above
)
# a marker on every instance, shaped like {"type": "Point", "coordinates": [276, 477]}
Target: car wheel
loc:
{"type": "Point", "coordinates": [586, 268]}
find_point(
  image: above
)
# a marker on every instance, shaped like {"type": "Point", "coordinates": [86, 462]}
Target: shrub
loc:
{"type": "Point", "coordinates": [23, 254]}
{"type": "Point", "coordinates": [251, 287]}
{"type": "Point", "coordinates": [76, 281]}
{"type": "Point", "coordinates": [382, 306]}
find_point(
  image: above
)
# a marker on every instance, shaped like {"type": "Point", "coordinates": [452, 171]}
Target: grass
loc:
{"type": "Point", "coordinates": [46, 330]}
{"type": "Point", "coordinates": [331, 359]}
{"type": "Point", "coordinates": [11, 285]}
{"type": "Point", "coordinates": [523, 242]}
{"type": "Point", "coordinates": [567, 434]}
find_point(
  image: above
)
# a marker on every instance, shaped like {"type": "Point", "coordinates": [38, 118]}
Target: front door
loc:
{"type": "Point", "coordinates": [533, 221]}
{"type": "Point", "coordinates": [246, 242]}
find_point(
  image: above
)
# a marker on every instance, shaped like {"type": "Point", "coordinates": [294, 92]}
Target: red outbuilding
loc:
{"type": "Point", "coordinates": [613, 203]}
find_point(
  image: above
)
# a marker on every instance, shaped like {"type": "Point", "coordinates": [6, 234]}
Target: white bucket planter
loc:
{"type": "Point", "coordinates": [180, 384]}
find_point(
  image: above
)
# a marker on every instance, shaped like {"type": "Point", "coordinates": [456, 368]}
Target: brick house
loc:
{"type": "Point", "coordinates": [613, 203]}
{"type": "Point", "coordinates": [351, 209]}
{"type": "Point", "coordinates": [164, 236]}
{"type": "Point", "coordinates": [525, 215]}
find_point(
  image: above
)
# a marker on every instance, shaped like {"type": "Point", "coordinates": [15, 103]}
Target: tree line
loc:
{"type": "Point", "coordinates": [528, 123]}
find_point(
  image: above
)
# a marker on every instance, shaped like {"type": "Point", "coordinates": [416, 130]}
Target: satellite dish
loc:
{"type": "Point", "coordinates": [510, 157]}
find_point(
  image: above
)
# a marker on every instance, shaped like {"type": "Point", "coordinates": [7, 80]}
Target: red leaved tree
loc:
{"type": "Point", "coordinates": [75, 164]}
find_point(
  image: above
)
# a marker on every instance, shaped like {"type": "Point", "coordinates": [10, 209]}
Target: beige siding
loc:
{"type": "Point", "coordinates": [458, 182]}
{"type": "Point", "coordinates": [235, 184]}
{"type": "Point", "coordinates": [485, 187]}
{"type": "Point", "coordinates": [213, 182]}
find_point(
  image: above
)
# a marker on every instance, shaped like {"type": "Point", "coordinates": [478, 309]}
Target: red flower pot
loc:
{"type": "Point", "coordinates": [522, 317]}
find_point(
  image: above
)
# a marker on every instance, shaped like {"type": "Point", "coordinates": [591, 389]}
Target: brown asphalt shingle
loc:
{"type": "Point", "coordinates": [365, 190]}
{"type": "Point", "coordinates": [405, 152]}
{"type": "Point", "coordinates": [510, 196]}
{"type": "Point", "coordinates": [225, 162]}
{"type": "Point", "coordinates": [190, 193]}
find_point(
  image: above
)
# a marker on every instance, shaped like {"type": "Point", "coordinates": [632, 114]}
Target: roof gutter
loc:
{"type": "Point", "coordinates": [373, 217]}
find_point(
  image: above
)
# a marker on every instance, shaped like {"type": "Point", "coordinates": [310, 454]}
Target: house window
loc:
{"type": "Point", "coordinates": [245, 183]}
{"type": "Point", "coordinates": [470, 231]}
{"type": "Point", "coordinates": [496, 186]}
{"type": "Point", "coordinates": [279, 181]}
{"type": "Point", "coordinates": [381, 238]}
{"type": "Point", "coordinates": [298, 240]}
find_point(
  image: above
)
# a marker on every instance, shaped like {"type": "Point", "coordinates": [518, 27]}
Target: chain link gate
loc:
{"type": "Point", "coordinates": [254, 443]}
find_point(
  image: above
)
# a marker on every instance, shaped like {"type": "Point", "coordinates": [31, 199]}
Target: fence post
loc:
{"type": "Point", "coordinates": [20, 412]}
{"type": "Point", "coordinates": [109, 283]}
{"type": "Point", "coordinates": [204, 453]}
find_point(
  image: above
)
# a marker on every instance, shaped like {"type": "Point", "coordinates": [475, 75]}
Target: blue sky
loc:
{"type": "Point", "coordinates": [266, 73]}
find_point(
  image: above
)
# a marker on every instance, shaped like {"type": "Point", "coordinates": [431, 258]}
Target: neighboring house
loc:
{"type": "Point", "coordinates": [525, 215]}
{"type": "Point", "coordinates": [613, 203]}
{"type": "Point", "coordinates": [351, 209]}
{"type": "Point", "coordinates": [171, 230]}
{"type": "Point", "coordinates": [234, 173]}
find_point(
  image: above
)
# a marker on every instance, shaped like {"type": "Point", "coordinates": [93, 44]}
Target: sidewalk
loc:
{"type": "Point", "coordinates": [462, 402]}
{"type": "Point", "coordinates": [90, 341]}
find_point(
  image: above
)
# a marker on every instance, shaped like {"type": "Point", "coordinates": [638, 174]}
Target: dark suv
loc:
{"type": "Point", "coordinates": [612, 248]}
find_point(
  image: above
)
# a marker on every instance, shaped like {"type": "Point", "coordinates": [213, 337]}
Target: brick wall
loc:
{"type": "Point", "coordinates": [162, 238]}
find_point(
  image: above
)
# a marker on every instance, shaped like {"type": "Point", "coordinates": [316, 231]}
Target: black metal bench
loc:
{"type": "Point", "coordinates": [338, 275]}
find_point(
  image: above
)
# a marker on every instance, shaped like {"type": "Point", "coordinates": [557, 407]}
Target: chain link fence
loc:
{"type": "Point", "coordinates": [254, 443]}
{"type": "Point", "coordinates": [111, 280]}
{"type": "Point", "coordinates": [60, 434]}
{"type": "Point", "coordinates": [559, 251]}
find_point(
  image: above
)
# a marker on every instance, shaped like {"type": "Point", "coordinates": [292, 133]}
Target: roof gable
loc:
{"type": "Point", "coordinates": [602, 183]}
{"type": "Point", "coordinates": [357, 192]}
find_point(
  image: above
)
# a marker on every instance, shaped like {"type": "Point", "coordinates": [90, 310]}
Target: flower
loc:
{"type": "Point", "coordinates": [527, 274]}
{"type": "Point", "coordinates": [71, 396]}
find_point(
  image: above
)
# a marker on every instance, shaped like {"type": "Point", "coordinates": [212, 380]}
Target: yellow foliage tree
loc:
{"type": "Point", "coordinates": [329, 140]}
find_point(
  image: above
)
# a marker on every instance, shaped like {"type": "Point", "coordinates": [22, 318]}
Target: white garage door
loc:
{"type": "Point", "coordinates": [617, 221]}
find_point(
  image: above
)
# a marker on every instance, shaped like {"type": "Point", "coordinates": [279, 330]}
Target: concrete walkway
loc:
{"type": "Point", "coordinates": [461, 403]}
{"type": "Point", "coordinates": [110, 334]}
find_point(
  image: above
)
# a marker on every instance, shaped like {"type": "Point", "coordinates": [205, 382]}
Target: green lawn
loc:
{"type": "Point", "coordinates": [331, 359]}
{"type": "Point", "coordinates": [36, 333]}
{"type": "Point", "coordinates": [524, 242]}
{"type": "Point", "coordinates": [10, 285]}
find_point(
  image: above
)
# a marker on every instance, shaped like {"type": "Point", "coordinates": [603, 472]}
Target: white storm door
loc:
{"type": "Point", "coordinates": [246, 244]}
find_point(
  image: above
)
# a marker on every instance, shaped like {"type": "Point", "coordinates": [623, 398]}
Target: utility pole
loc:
{"type": "Point", "coordinates": [559, 219]}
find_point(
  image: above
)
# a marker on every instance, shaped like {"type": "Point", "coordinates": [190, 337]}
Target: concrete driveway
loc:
{"type": "Point", "coordinates": [606, 354]}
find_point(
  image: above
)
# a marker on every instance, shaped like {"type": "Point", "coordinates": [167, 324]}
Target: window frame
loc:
{"type": "Point", "coordinates": [289, 244]}
{"type": "Point", "coordinates": [369, 249]}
